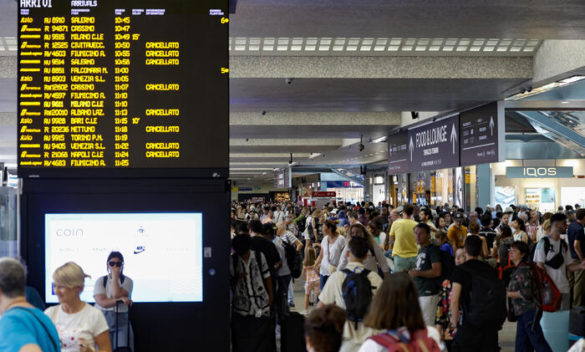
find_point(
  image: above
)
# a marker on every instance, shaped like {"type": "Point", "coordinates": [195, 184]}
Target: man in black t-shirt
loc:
{"type": "Point", "coordinates": [487, 231]}
{"type": "Point", "coordinates": [577, 246]}
{"type": "Point", "coordinates": [426, 273]}
{"type": "Point", "coordinates": [473, 333]}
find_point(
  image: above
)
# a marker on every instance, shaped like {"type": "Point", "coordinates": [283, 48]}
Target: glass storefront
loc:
{"type": "Point", "coordinates": [544, 194]}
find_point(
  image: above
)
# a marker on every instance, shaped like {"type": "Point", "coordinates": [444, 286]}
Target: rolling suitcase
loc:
{"type": "Point", "coordinates": [292, 332]}
{"type": "Point", "coordinates": [116, 341]}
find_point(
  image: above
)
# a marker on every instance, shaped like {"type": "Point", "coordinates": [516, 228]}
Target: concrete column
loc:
{"type": "Point", "coordinates": [484, 185]}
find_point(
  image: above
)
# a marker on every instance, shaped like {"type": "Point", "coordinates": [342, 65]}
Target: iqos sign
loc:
{"type": "Point", "coordinates": [539, 172]}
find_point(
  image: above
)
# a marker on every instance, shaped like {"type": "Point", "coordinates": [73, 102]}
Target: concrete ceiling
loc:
{"type": "Point", "coordinates": [538, 19]}
{"type": "Point", "coordinates": [329, 87]}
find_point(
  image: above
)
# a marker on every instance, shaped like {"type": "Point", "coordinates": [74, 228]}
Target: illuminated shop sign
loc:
{"type": "Point", "coordinates": [539, 172]}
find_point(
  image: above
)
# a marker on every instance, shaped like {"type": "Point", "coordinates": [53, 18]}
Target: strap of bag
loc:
{"type": "Point", "coordinates": [388, 341]}
{"type": "Point", "coordinates": [53, 342]}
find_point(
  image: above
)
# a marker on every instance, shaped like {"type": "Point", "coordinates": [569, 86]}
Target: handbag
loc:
{"type": "Point", "coordinates": [511, 316]}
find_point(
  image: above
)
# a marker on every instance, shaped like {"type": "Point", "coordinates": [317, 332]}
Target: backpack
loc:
{"type": "Point", "coordinates": [548, 296]}
{"type": "Point", "coordinates": [487, 303]}
{"type": "Point", "coordinates": [419, 342]}
{"type": "Point", "coordinates": [357, 294]}
{"type": "Point", "coordinates": [559, 258]}
{"type": "Point", "coordinates": [294, 259]}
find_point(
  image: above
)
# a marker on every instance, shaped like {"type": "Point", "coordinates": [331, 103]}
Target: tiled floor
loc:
{"type": "Point", "coordinates": [507, 334]}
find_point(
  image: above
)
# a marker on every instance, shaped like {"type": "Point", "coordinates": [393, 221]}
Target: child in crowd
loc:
{"type": "Point", "coordinates": [324, 328]}
{"type": "Point", "coordinates": [310, 275]}
{"type": "Point", "coordinates": [442, 320]}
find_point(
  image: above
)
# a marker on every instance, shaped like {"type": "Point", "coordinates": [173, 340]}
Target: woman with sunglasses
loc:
{"type": "Point", "coordinates": [112, 296]}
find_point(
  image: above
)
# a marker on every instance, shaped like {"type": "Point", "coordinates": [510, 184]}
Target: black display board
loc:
{"type": "Point", "coordinates": [161, 326]}
{"type": "Point", "coordinates": [120, 88]}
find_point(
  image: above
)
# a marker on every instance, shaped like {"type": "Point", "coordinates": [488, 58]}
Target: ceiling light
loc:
{"type": "Point", "coordinates": [380, 140]}
{"type": "Point", "coordinates": [546, 87]}
{"type": "Point", "coordinates": [314, 155]}
{"type": "Point", "coordinates": [572, 79]}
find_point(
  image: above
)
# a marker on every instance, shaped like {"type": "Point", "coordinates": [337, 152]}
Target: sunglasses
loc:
{"type": "Point", "coordinates": [118, 264]}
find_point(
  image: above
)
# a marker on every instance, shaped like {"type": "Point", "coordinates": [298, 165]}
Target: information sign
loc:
{"type": "Point", "coordinates": [434, 146]}
{"type": "Point", "coordinates": [482, 134]}
{"type": "Point", "coordinates": [127, 85]}
{"type": "Point", "coordinates": [398, 162]}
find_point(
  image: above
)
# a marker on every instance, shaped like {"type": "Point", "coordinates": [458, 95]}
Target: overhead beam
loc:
{"type": "Point", "coordinates": [532, 105]}
{"type": "Point", "coordinates": [558, 59]}
{"type": "Point", "coordinates": [342, 118]}
{"type": "Point", "coordinates": [414, 67]}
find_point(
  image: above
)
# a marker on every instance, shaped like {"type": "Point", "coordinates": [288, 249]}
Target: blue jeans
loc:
{"type": "Point", "coordinates": [529, 334]}
{"type": "Point", "coordinates": [322, 281]}
{"type": "Point", "coordinates": [290, 294]}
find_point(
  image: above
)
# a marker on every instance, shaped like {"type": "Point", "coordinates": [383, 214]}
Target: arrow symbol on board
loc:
{"type": "Point", "coordinates": [411, 148]}
{"type": "Point", "coordinates": [491, 125]}
{"type": "Point", "coordinates": [453, 137]}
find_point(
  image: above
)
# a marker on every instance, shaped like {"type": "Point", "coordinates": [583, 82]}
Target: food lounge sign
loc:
{"type": "Point", "coordinates": [539, 172]}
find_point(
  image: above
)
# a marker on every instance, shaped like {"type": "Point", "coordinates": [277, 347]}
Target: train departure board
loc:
{"type": "Point", "coordinates": [123, 88]}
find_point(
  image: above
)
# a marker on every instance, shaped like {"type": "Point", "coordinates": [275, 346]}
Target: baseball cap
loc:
{"type": "Point", "coordinates": [458, 216]}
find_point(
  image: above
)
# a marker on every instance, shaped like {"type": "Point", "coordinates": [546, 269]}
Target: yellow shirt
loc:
{"type": "Point", "coordinates": [404, 240]}
{"type": "Point", "coordinates": [457, 236]}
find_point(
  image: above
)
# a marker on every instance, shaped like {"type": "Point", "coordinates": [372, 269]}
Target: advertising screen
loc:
{"type": "Point", "coordinates": [162, 252]}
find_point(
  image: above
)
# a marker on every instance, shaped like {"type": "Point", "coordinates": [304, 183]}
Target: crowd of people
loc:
{"type": "Point", "coordinates": [377, 276]}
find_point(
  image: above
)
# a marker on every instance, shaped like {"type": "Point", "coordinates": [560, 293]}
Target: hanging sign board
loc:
{"type": "Point", "coordinates": [398, 162]}
{"type": "Point", "coordinates": [434, 146]}
{"type": "Point", "coordinates": [482, 137]}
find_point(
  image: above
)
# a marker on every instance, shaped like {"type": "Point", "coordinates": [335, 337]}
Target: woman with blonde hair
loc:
{"type": "Point", "coordinates": [81, 327]}
{"type": "Point", "coordinates": [375, 258]}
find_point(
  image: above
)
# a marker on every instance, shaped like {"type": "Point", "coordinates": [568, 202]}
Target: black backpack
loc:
{"type": "Point", "coordinates": [294, 259]}
{"type": "Point", "coordinates": [559, 258]}
{"type": "Point", "coordinates": [357, 294]}
{"type": "Point", "coordinates": [487, 303]}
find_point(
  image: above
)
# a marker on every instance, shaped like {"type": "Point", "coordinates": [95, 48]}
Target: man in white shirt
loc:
{"type": "Point", "coordinates": [354, 334]}
{"type": "Point", "coordinates": [552, 254]}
